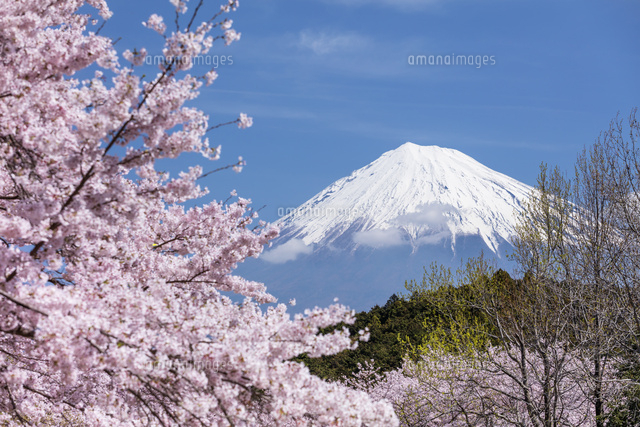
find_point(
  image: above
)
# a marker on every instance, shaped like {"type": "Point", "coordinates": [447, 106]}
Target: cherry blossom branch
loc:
{"type": "Point", "coordinates": [233, 166]}
{"type": "Point", "coordinates": [223, 124]}
{"type": "Point", "coordinates": [21, 303]}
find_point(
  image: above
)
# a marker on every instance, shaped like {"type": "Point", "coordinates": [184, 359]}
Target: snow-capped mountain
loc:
{"type": "Point", "coordinates": [412, 195]}
{"type": "Point", "coordinates": [365, 234]}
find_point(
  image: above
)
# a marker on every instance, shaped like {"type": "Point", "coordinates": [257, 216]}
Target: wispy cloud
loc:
{"type": "Point", "coordinates": [379, 238]}
{"type": "Point", "coordinates": [405, 5]}
{"type": "Point", "coordinates": [433, 215]}
{"type": "Point", "coordinates": [426, 226]}
{"type": "Point", "coordinates": [288, 251]}
{"type": "Point", "coordinates": [308, 53]}
{"type": "Point", "coordinates": [323, 43]}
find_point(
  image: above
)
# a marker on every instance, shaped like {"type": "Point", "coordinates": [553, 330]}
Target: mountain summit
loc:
{"type": "Point", "coordinates": [360, 238]}
{"type": "Point", "coordinates": [413, 195]}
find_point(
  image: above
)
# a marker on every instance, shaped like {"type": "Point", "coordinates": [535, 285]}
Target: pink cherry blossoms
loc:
{"type": "Point", "coordinates": [489, 388]}
{"type": "Point", "coordinates": [111, 310]}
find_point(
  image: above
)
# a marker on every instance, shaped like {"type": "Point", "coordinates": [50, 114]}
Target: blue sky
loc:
{"type": "Point", "coordinates": [330, 87]}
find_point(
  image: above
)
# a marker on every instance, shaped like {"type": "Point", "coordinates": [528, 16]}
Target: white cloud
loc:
{"type": "Point", "coordinates": [322, 43]}
{"type": "Point", "coordinates": [433, 215]}
{"type": "Point", "coordinates": [288, 251]}
{"type": "Point", "coordinates": [379, 238]}
{"type": "Point", "coordinates": [427, 226]}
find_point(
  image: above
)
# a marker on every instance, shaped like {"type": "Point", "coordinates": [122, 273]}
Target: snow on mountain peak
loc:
{"type": "Point", "coordinates": [413, 195]}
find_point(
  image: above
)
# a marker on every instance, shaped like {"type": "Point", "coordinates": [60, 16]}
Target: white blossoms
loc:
{"type": "Point", "coordinates": [237, 168]}
{"type": "Point", "coordinates": [226, 24]}
{"type": "Point", "coordinates": [245, 121]}
{"type": "Point", "coordinates": [231, 36]}
{"type": "Point", "coordinates": [210, 77]}
{"type": "Point", "coordinates": [232, 5]}
{"type": "Point", "coordinates": [180, 5]}
{"type": "Point", "coordinates": [156, 23]}
{"type": "Point", "coordinates": [136, 57]}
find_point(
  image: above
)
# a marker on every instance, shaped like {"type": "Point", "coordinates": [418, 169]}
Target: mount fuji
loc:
{"type": "Point", "coordinates": [360, 238]}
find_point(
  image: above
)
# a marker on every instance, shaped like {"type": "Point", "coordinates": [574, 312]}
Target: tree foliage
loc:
{"type": "Point", "coordinates": [403, 325]}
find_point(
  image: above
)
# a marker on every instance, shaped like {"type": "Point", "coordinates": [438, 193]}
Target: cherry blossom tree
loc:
{"type": "Point", "coordinates": [111, 304]}
{"type": "Point", "coordinates": [489, 388]}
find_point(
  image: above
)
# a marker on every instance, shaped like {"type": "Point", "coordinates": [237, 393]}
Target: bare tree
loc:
{"type": "Point", "coordinates": [544, 350]}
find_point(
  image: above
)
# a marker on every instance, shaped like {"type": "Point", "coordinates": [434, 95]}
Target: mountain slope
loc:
{"type": "Point", "coordinates": [411, 195]}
